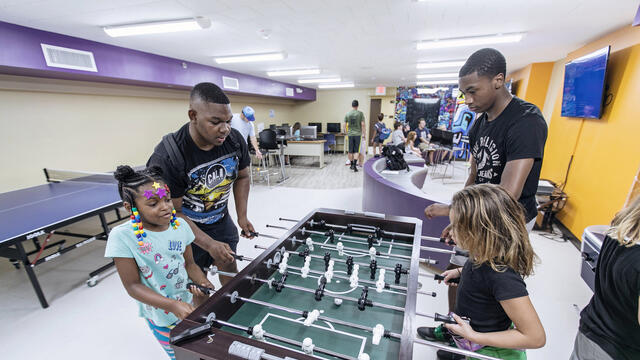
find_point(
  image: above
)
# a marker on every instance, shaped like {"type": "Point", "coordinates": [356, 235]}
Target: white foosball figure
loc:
{"type": "Point", "coordinates": [311, 317]}
{"type": "Point", "coordinates": [305, 269]}
{"type": "Point", "coordinates": [363, 356]}
{"type": "Point", "coordinates": [340, 248]}
{"type": "Point", "coordinates": [354, 276]}
{"type": "Point", "coordinates": [380, 283]}
{"type": "Point", "coordinates": [307, 346]}
{"type": "Point", "coordinates": [372, 253]}
{"type": "Point", "coordinates": [309, 243]}
{"type": "Point", "coordinates": [378, 331]}
{"type": "Point", "coordinates": [329, 273]}
{"type": "Point", "coordinates": [283, 263]}
{"type": "Point", "coordinates": [258, 332]}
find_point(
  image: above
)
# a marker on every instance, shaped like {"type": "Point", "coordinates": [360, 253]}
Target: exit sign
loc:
{"type": "Point", "coordinates": [381, 90]}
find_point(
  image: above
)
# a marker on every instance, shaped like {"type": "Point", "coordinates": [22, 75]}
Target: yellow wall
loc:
{"type": "Point", "coordinates": [77, 125]}
{"type": "Point", "coordinates": [534, 82]}
{"type": "Point", "coordinates": [605, 151]}
{"type": "Point", "coordinates": [332, 105]}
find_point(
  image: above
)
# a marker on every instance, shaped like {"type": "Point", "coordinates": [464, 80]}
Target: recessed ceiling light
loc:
{"type": "Point", "coordinates": [250, 58]}
{"type": "Point", "coordinates": [441, 64]}
{"type": "Point", "coordinates": [315, 81]}
{"type": "Point", "coordinates": [336, 86]}
{"type": "Point", "coordinates": [437, 76]}
{"type": "Point", "coordinates": [438, 82]}
{"type": "Point", "coordinates": [158, 27]}
{"type": "Point", "coordinates": [470, 41]}
{"type": "Point", "coordinates": [294, 72]}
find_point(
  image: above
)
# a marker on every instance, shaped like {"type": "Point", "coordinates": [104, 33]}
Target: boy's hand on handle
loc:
{"type": "Point", "coordinates": [446, 234]}
{"type": "Point", "coordinates": [462, 328]}
{"type": "Point", "coordinates": [221, 253]}
{"type": "Point", "coordinates": [246, 227]}
{"type": "Point", "coordinates": [181, 309]}
{"type": "Point", "coordinates": [434, 210]}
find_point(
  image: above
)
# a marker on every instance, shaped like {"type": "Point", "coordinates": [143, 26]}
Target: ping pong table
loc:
{"type": "Point", "coordinates": [32, 213]}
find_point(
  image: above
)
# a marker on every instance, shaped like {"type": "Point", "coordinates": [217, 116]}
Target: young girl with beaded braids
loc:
{"type": "Point", "coordinates": [152, 253]}
{"type": "Point", "coordinates": [490, 224]}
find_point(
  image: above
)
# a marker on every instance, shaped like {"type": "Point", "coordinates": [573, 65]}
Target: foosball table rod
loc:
{"type": "Point", "coordinates": [249, 330]}
{"type": "Point", "coordinates": [370, 229]}
{"type": "Point", "coordinates": [344, 238]}
{"type": "Point", "coordinates": [234, 297]}
{"type": "Point", "coordinates": [364, 302]}
{"type": "Point", "coordinates": [469, 354]}
{"type": "Point", "coordinates": [387, 285]}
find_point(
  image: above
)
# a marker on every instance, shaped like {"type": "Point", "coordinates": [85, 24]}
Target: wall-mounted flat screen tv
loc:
{"type": "Point", "coordinates": [584, 80]}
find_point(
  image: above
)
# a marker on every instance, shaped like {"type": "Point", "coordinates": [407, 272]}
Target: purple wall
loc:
{"type": "Point", "coordinates": [636, 21]}
{"type": "Point", "coordinates": [21, 54]}
{"type": "Point", "coordinates": [383, 196]}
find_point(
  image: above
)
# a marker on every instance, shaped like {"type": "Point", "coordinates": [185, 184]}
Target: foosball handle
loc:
{"type": "Point", "coordinates": [204, 289]}
{"type": "Point", "coordinates": [251, 233]}
{"type": "Point", "coordinates": [444, 318]}
{"type": "Point", "coordinates": [441, 278]}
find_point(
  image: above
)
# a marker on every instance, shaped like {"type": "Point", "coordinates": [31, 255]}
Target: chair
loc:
{"type": "Point", "coordinates": [269, 141]}
{"type": "Point", "coordinates": [330, 140]}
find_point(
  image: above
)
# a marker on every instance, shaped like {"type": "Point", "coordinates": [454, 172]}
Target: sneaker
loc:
{"type": "Point", "coordinates": [438, 333]}
{"type": "Point", "coordinates": [348, 162]}
{"type": "Point", "coordinates": [445, 355]}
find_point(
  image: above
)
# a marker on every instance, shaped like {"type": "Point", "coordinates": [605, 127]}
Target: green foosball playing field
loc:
{"type": "Point", "coordinates": [346, 340]}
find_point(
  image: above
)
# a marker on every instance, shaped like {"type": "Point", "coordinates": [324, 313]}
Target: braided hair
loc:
{"type": "Point", "coordinates": [486, 62]}
{"type": "Point", "coordinates": [129, 180]}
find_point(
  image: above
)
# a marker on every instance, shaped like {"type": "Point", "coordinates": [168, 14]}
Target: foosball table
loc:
{"type": "Point", "coordinates": [336, 285]}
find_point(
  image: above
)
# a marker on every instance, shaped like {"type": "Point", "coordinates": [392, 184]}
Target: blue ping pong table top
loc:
{"type": "Point", "coordinates": [25, 211]}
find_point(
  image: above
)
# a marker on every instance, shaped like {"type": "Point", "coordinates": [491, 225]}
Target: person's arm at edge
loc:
{"type": "Point", "coordinates": [241, 196]}
{"type": "Point", "coordinates": [254, 143]}
{"type": "Point", "coordinates": [527, 334]}
{"type": "Point", "coordinates": [473, 172]}
{"type": "Point", "coordinates": [130, 277]}
{"type": "Point", "coordinates": [515, 174]}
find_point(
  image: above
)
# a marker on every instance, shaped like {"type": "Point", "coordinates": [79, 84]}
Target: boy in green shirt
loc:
{"type": "Point", "coordinates": [355, 122]}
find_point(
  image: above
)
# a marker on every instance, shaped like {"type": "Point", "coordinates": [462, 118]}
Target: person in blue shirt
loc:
{"type": "Point", "coordinates": [152, 253]}
{"type": "Point", "coordinates": [296, 131]}
{"type": "Point", "coordinates": [377, 141]}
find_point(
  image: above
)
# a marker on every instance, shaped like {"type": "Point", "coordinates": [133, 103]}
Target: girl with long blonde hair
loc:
{"type": "Point", "coordinates": [409, 146]}
{"type": "Point", "coordinates": [490, 225]}
{"type": "Point", "coordinates": [610, 323]}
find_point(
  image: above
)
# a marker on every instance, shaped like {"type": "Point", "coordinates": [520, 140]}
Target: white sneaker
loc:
{"type": "Point", "coordinates": [348, 162]}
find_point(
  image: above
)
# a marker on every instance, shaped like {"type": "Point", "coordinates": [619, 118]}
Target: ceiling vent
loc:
{"type": "Point", "coordinates": [66, 58]}
{"type": "Point", "coordinates": [230, 83]}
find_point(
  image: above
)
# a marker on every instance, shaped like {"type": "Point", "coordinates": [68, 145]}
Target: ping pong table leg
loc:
{"type": "Point", "coordinates": [32, 275]}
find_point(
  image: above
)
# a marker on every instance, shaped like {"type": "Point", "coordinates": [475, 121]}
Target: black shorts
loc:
{"type": "Point", "coordinates": [224, 230]}
{"type": "Point", "coordinates": [354, 144]}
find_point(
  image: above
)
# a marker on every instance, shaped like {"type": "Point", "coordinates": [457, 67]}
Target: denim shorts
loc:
{"type": "Point", "coordinates": [225, 231]}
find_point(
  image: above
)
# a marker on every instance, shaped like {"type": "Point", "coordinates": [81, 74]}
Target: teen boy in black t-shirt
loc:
{"type": "Point", "coordinates": [507, 142]}
{"type": "Point", "coordinates": [216, 159]}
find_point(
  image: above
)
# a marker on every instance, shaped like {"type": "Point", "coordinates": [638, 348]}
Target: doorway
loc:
{"type": "Point", "coordinates": [374, 110]}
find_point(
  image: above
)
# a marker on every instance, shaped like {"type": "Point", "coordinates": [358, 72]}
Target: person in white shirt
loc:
{"type": "Point", "coordinates": [397, 137]}
{"type": "Point", "coordinates": [243, 122]}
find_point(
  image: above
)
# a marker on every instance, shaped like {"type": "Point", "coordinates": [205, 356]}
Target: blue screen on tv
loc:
{"type": "Point", "coordinates": [584, 85]}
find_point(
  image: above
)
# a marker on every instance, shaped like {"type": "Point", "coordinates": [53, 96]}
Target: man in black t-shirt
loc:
{"type": "Point", "coordinates": [208, 158]}
{"type": "Point", "coordinates": [507, 142]}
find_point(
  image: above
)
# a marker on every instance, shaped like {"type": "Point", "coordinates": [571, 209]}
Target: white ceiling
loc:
{"type": "Point", "coordinates": [370, 42]}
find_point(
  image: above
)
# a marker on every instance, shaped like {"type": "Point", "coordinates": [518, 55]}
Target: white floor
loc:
{"type": "Point", "coordinates": [101, 322]}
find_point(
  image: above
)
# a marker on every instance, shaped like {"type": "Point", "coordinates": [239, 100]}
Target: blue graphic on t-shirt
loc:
{"type": "Point", "coordinates": [205, 200]}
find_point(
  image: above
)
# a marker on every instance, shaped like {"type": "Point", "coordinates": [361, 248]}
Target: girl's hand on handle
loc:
{"type": "Point", "coordinates": [462, 328]}
{"type": "Point", "coordinates": [181, 309]}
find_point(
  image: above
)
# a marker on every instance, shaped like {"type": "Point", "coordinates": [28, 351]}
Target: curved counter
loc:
{"type": "Point", "coordinates": [400, 194]}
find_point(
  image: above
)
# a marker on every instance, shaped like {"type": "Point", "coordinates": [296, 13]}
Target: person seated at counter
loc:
{"type": "Point", "coordinates": [296, 131]}
{"type": "Point", "coordinates": [409, 147]}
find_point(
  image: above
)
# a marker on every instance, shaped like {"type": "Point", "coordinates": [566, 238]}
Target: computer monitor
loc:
{"type": "Point", "coordinates": [285, 124]}
{"type": "Point", "coordinates": [317, 125]}
{"type": "Point", "coordinates": [286, 129]}
{"type": "Point", "coordinates": [273, 127]}
{"type": "Point", "coordinates": [333, 127]}
{"type": "Point", "coordinates": [309, 132]}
